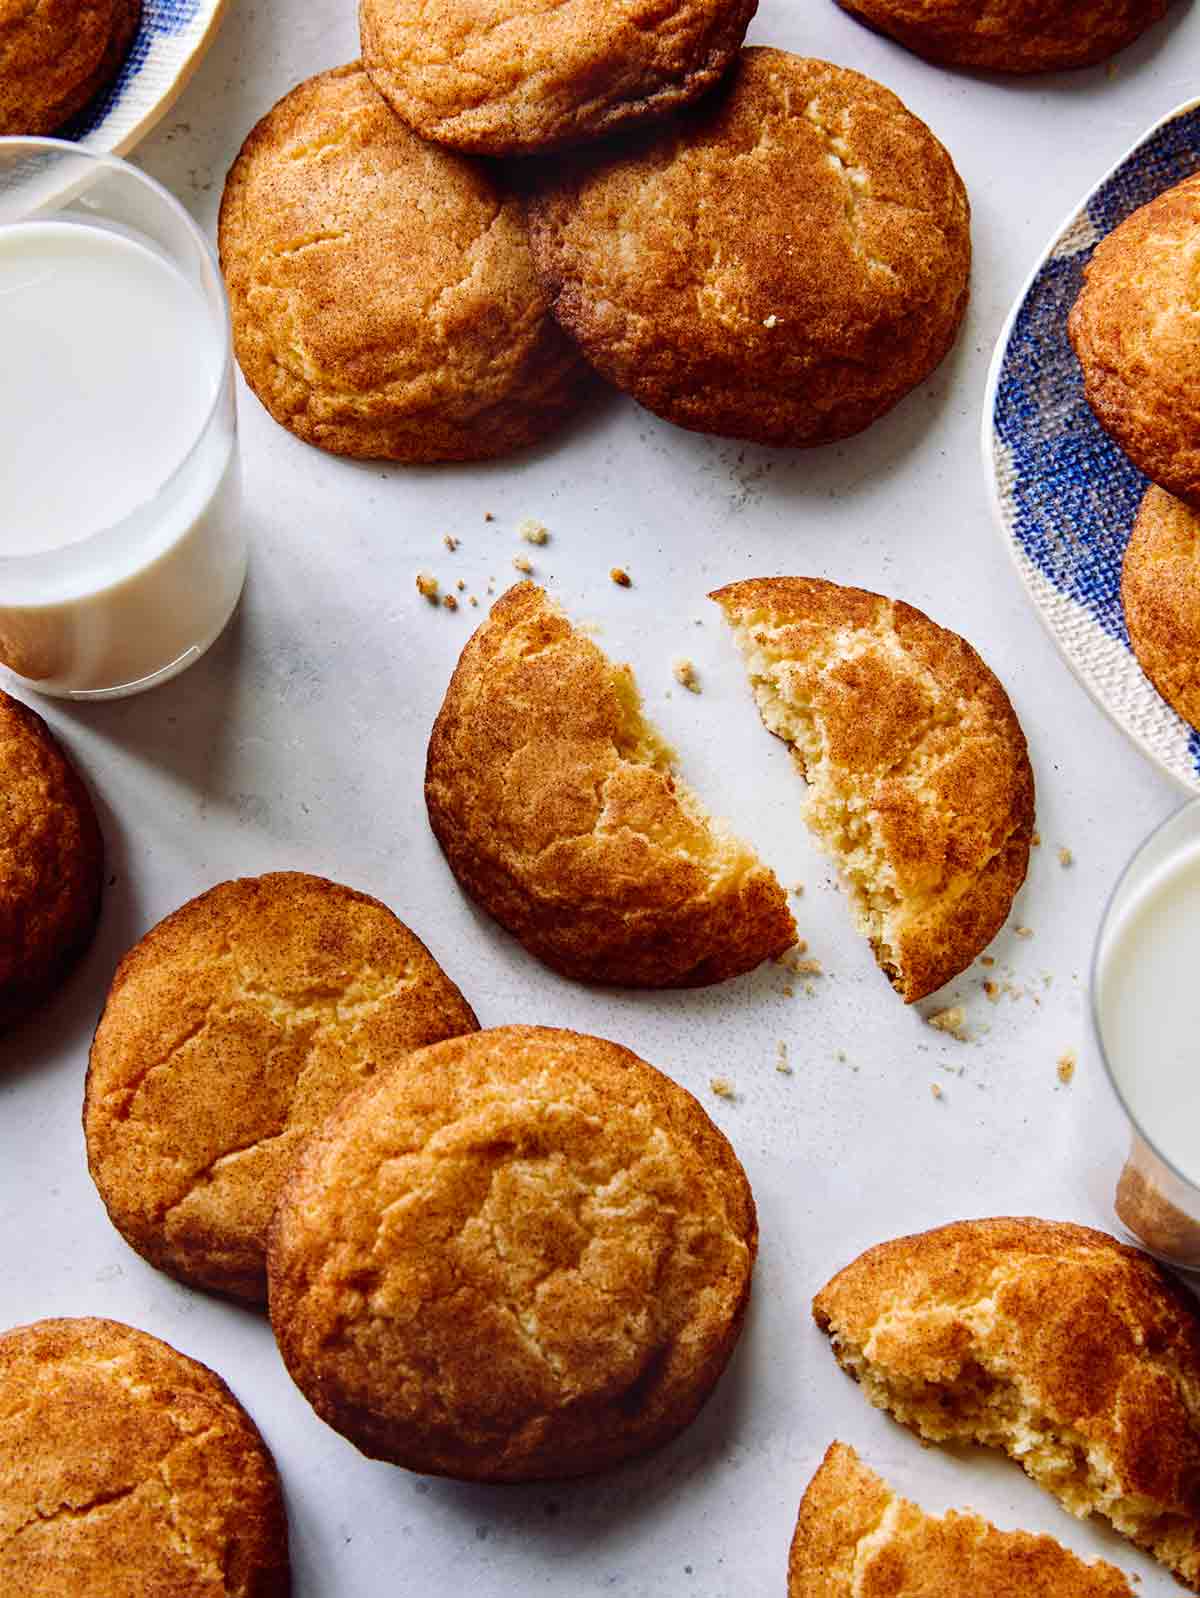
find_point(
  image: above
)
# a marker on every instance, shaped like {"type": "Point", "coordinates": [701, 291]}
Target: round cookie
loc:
{"type": "Point", "coordinates": [525, 76]}
{"type": "Point", "coordinates": [231, 1031]}
{"type": "Point", "coordinates": [524, 1254]}
{"type": "Point", "coordinates": [781, 263]}
{"type": "Point", "coordinates": [56, 54]}
{"type": "Point", "coordinates": [1133, 327]}
{"type": "Point", "coordinates": [51, 862]}
{"type": "Point", "coordinates": [129, 1468]}
{"type": "Point", "coordinates": [1160, 593]}
{"type": "Point", "coordinates": [382, 290]}
{"type": "Point", "coordinates": [1010, 35]}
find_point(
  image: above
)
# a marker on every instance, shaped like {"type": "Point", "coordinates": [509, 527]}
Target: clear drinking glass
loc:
{"type": "Point", "coordinates": [117, 608]}
{"type": "Point", "coordinates": [1152, 1200]}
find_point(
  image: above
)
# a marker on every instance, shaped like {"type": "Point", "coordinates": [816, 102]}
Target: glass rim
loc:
{"type": "Point", "coordinates": [1093, 986]}
{"type": "Point", "coordinates": [46, 563]}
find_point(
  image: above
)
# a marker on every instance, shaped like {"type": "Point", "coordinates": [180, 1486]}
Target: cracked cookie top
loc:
{"type": "Point", "coordinates": [781, 262]}
{"type": "Point", "coordinates": [528, 75]}
{"type": "Point", "coordinates": [128, 1468]}
{"type": "Point", "coordinates": [231, 1031]}
{"type": "Point", "coordinates": [383, 295]}
{"type": "Point", "coordinates": [56, 54]}
{"type": "Point", "coordinates": [559, 811]}
{"type": "Point", "coordinates": [51, 861]}
{"type": "Point", "coordinates": [524, 1254]}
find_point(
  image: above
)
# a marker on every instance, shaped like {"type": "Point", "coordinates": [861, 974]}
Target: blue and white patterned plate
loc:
{"type": "Point", "coordinates": [1064, 494]}
{"type": "Point", "coordinates": [170, 44]}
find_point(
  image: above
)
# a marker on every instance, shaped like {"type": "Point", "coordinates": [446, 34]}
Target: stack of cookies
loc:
{"type": "Point", "coordinates": [748, 242]}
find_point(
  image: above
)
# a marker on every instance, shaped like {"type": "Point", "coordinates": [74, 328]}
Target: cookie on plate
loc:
{"type": "Point", "coordinates": [1160, 594]}
{"type": "Point", "coordinates": [536, 77]}
{"type": "Point", "coordinates": [383, 294]}
{"type": "Point", "coordinates": [559, 811]}
{"type": "Point", "coordinates": [1025, 36]}
{"type": "Point", "coordinates": [919, 783]}
{"type": "Point", "coordinates": [523, 1254]}
{"type": "Point", "coordinates": [1077, 1356]}
{"type": "Point", "coordinates": [129, 1468]}
{"type": "Point", "coordinates": [56, 54]}
{"type": "Point", "coordinates": [51, 862]}
{"type": "Point", "coordinates": [1133, 326]}
{"type": "Point", "coordinates": [855, 1536]}
{"type": "Point", "coordinates": [782, 262]}
{"type": "Point", "coordinates": [231, 1031]}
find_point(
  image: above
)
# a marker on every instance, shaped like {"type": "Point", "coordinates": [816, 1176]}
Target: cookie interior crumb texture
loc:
{"type": "Point", "coordinates": [918, 778]}
{"type": "Point", "coordinates": [1077, 1356]}
{"type": "Point", "coordinates": [560, 811]}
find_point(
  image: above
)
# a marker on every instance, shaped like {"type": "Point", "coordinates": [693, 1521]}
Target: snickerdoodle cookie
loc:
{"type": "Point", "coordinates": [51, 862]}
{"type": "Point", "coordinates": [857, 1538]}
{"type": "Point", "coordinates": [523, 1254]}
{"type": "Point", "coordinates": [919, 783]}
{"type": "Point", "coordinates": [383, 293]}
{"type": "Point", "coordinates": [1134, 330]}
{"type": "Point", "coordinates": [524, 76]}
{"type": "Point", "coordinates": [128, 1468]}
{"type": "Point", "coordinates": [231, 1031]}
{"type": "Point", "coordinates": [1010, 35]}
{"type": "Point", "coordinates": [1077, 1356]}
{"type": "Point", "coordinates": [559, 811]}
{"type": "Point", "coordinates": [781, 263]}
{"type": "Point", "coordinates": [56, 54]}
{"type": "Point", "coordinates": [1160, 594]}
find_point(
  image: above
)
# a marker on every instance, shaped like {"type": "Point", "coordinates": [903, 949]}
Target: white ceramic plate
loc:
{"type": "Point", "coordinates": [170, 44]}
{"type": "Point", "coordinates": [1064, 494]}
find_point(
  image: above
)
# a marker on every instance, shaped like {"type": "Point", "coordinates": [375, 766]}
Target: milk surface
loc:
{"type": "Point", "coordinates": [1148, 1008]}
{"type": "Point", "coordinates": [109, 366]}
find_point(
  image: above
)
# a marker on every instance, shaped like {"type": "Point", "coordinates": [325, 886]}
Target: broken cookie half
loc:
{"type": "Point", "coordinates": [919, 782]}
{"type": "Point", "coordinates": [560, 812]}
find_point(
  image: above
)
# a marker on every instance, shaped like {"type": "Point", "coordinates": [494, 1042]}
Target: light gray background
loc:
{"type": "Point", "coordinates": [299, 742]}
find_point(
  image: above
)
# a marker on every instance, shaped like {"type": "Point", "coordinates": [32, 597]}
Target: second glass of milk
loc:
{"type": "Point", "coordinates": [1146, 1015]}
{"type": "Point", "coordinates": [122, 551]}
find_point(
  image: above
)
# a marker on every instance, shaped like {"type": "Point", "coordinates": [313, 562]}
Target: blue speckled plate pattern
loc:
{"type": "Point", "coordinates": [1064, 494]}
{"type": "Point", "coordinates": [170, 43]}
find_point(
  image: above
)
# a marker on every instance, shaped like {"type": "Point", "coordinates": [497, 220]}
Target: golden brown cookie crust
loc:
{"type": "Point", "coordinates": [1160, 594]}
{"type": "Point", "coordinates": [1010, 35]}
{"type": "Point", "coordinates": [383, 294]}
{"type": "Point", "coordinates": [1133, 329]}
{"type": "Point", "coordinates": [1078, 1356]}
{"type": "Point", "coordinates": [51, 862]}
{"type": "Point", "coordinates": [559, 813]}
{"type": "Point", "coordinates": [56, 54]}
{"type": "Point", "coordinates": [920, 785]}
{"type": "Point", "coordinates": [529, 77]}
{"type": "Point", "coordinates": [129, 1468]}
{"type": "Point", "coordinates": [231, 1031]}
{"type": "Point", "coordinates": [782, 263]}
{"type": "Point", "coordinates": [857, 1538]}
{"type": "Point", "coordinates": [545, 1197]}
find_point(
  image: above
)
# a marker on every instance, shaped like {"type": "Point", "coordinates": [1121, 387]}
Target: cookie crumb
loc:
{"type": "Point", "coordinates": [450, 542]}
{"type": "Point", "coordinates": [781, 1064]}
{"type": "Point", "coordinates": [1023, 932]}
{"type": "Point", "coordinates": [523, 564]}
{"type": "Point", "coordinates": [460, 584]}
{"type": "Point", "coordinates": [621, 577]}
{"type": "Point", "coordinates": [789, 991]}
{"type": "Point", "coordinates": [936, 1090]}
{"type": "Point", "coordinates": [1036, 840]}
{"type": "Point", "coordinates": [488, 517]}
{"type": "Point", "coordinates": [992, 989]}
{"type": "Point", "coordinates": [1066, 1065]}
{"type": "Point", "coordinates": [987, 960]}
{"type": "Point", "coordinates": [1065, 857]}
{"type": "Point", "coordinates": [952, 1020]}
{"type": "Point", "coordinates": [449, 601]}
{"type": "Point", "coordinates": [533, 532]}
{"type": "Point", "coordinates": [809, 968]}
{"type": "Point", "coordinates": [798, 889]}
{"type": "Point", "coordinates": [427, 587]}
{"type": "Point", "coordinates": [685, 675]}
{"type": "Point", "coordinates": [473, 600]}
{"type": "Point", "coordinates": [721, 1086]}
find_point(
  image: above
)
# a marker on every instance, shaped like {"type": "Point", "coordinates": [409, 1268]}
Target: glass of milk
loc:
{"type": "Point", "coordinates": [1145, 995]}
{"type": "Point", "coordinates": [122, 550]}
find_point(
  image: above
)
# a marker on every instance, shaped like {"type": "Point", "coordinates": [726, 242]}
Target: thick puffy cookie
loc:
{"type": "Point", "coordinates": [1160, 594]}
{"type": "Point", "coordinates": [56, 54]}
{"type": "Point", "coordinates": [128, 1468]}
{"type": "Point", "coordinates": [521, 77]}
{"type": "Point", "coordinates": [383, 294]}
{"type": "Point", "coordinates": [523, 1254]}
{"type": "Point", "coordinates": [782, 263]}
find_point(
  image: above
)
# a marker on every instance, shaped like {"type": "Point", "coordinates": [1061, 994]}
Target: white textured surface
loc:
{"type": "Point", "coordinates": [299, 742]}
